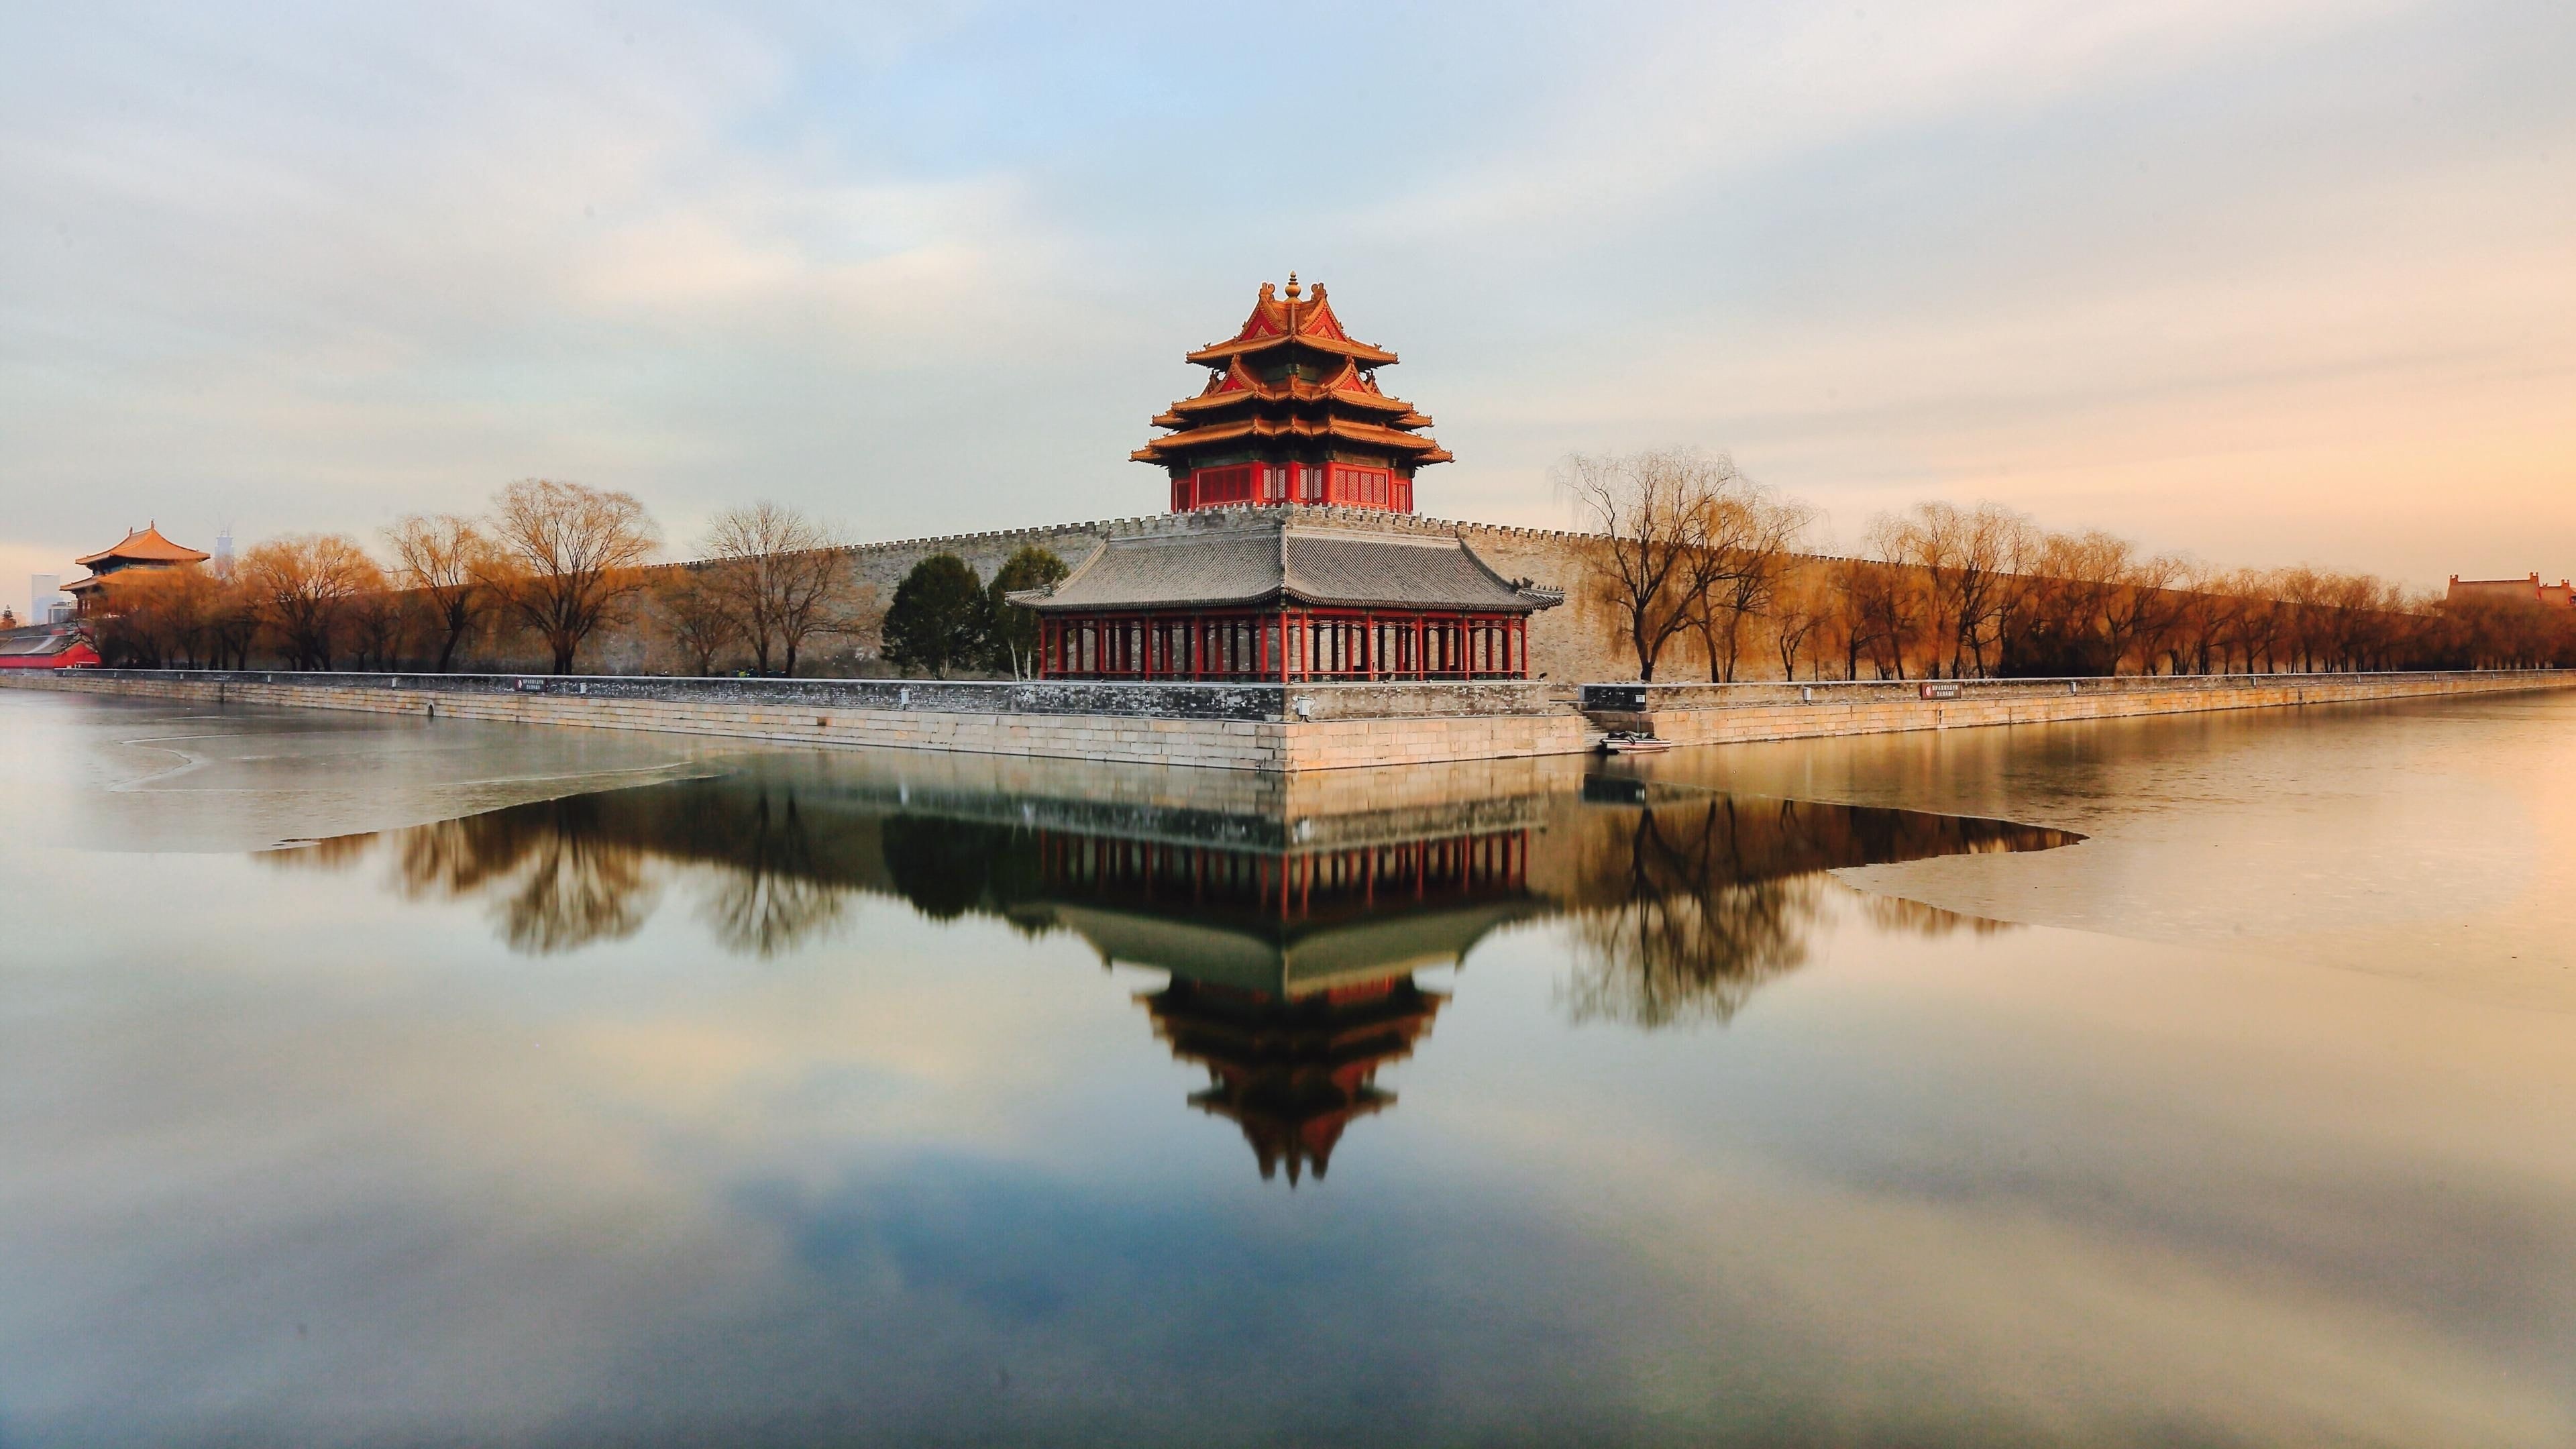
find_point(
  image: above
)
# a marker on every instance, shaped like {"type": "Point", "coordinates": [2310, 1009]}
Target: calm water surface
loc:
{"type": "Point", "coordinates": [2208, 1080]}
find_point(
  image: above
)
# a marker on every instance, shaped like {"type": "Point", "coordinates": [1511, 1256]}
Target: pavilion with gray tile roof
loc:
{"type": "Point", "coordinates": [1286, 593]}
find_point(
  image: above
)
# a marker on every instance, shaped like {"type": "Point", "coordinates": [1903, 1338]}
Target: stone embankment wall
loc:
{"type": "Point", "coordinates": [1707, 714]}
{"type": "Point", "coordinates": [1263, 726]}
{"type": "Point", "coordinates": [1227, 726]}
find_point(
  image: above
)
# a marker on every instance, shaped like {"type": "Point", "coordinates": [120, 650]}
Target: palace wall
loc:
{"type": "Point", "coordinates": [1574, 642]}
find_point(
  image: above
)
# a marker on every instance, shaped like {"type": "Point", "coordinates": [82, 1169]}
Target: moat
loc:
{"type": "Point", "coordinates": [2206, 1078]}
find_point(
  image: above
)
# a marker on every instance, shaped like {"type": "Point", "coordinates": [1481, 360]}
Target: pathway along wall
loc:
{"type": "Point", "coordinates": [1714, 714]}
{"type": "Point", "coordinates": [1262, 726]}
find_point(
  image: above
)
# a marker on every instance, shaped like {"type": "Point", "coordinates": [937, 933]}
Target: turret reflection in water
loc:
{"type": "Point", "coordinates": [1290, 932]}
{"type": "Point", "coordinates": [1291, 971]}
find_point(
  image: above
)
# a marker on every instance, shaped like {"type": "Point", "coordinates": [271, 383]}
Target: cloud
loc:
{"type": "Point", "coordinates": [303, 267]}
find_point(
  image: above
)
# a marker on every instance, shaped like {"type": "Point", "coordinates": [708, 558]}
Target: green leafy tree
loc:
{"type": "Point", "coordinates": [938, 616]}
{"type": "Point", "coordinates": [1011, 632]}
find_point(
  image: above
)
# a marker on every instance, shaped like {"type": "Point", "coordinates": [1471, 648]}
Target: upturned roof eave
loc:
{"type": "Point", "coordinates": [1372, 435]}
{"type": "Point", "coordinates": [1216, 352]}
{"type": "Point", "coordinates": [1521, 602]}
{"type": "Point", "coordinates": [1045, 603]}
{"type": "Point", "coordinates": [1308, 396]}
{"type": "Point", "coordinates": [167, 552]}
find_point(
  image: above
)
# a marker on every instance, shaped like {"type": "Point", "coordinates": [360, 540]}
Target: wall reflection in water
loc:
{"type": "Point", "coordinates": [1291, 923]}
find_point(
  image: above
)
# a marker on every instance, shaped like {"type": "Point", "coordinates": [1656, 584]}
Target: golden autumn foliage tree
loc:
{"type": "Point", "coordinates": [163, 618]}
{"type": "Point", "coordinates": [451, 564]}
{"type": "Point", "coordinates": [305, 587]}
{"type": "Point", "coordinates": [1746, 555]}
{"type": "Point", "coordinates": [576, 555]}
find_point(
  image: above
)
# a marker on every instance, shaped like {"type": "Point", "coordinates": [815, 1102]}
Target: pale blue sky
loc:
{"type": "Point", "coordinates": [2266, 282]}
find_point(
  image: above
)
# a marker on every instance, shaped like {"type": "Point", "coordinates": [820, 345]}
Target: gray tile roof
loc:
{"type": "Point", "coordinates": [1260, 560]}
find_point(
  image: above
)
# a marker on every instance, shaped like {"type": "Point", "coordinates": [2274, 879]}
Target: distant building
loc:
{"type": "Point", "coordinates": [46, 601]}
{"type": "Point", "coordinates": [140, 549]}
{"type": "Point", "coordinates": [58, 646]}
{"type": "Point", "coordinates": [2526, 590]}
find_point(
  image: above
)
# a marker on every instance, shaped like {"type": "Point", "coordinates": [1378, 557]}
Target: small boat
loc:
{"type": "Point", "coordinates": [1629, 742]}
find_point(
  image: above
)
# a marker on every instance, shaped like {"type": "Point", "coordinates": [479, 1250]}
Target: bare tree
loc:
{"type": "Point", "coordinates": [380, 627]}
{"type": "Point", "coordinates": [577, 553]}
{"type": "Point", "coordinates": [232, 619]}
{"type": "Point", "coordinates": [782, 576]}
{"type": "Point", "coordinates": [698, 614]}
{"type": "Point", "coordinates": [452, 564]}
{"type": "Point", "coordinates": [1745, 553]}
{"type": "Point", "coordinates": [1969, 557]}
{"type": "Point", "coordinates": [1801, 610]}
{"type": "Point", "coordinates": [2139, 616]}
{"type": "Point", "coordinates": [1882, 603]}
{"type": "Point", "coordinates": [2203, 621]}
{"type": "Point", "coordinates": [1655, 511]}
{"type": "Point", "coordinates": [304, 585]}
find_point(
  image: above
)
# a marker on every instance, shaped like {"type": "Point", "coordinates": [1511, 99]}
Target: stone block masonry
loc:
{"type": "Point", "coordinates": [1708, 714]}
{"type": "Point", "coordinates": [1224, 726]}
{"type": "Point", "coordinates": [1264, 727]}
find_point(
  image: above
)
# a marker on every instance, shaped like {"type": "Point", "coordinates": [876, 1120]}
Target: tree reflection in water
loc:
{"type": "Point", "coordinates": [1680, 911]}
{"type": "Point", "coordinates": [1678, 908]}
{"type": "Point", "coordinates": [556, 878]}
{"type": "Point", "coordinates": [772, 899]}
{"type": "Point", "coordinates": [1291, 965]}
{"type": "Point", "coordinates": [564, 874]}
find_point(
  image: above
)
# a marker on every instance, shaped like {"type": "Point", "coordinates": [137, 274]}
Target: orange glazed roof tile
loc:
{"type": "Point", "coordinates": [146, 546]}
{"type": "Point", "coordinates": [1357, 432]}
{"type": "Point", "coordinates": [1254, 392]}
{"type": "Point", "coordinates": [1293, 390]}
{"type": "Point", "coordinates": [1275, 323]}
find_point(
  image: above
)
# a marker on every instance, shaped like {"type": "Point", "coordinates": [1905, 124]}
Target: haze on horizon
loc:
{"type": "Point", "coordinates": [2261, 282]}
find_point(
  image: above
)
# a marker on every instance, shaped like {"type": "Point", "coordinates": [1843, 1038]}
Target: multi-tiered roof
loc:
{"type": "Point", "coordinates": [1292, 413]}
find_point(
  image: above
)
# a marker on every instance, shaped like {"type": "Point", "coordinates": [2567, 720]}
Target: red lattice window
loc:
{"type": "Point", "coordinates": [1225, 485]}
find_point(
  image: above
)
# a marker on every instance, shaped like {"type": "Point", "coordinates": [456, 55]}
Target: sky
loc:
{"type": "Point", "coordinates": [2258, 281]}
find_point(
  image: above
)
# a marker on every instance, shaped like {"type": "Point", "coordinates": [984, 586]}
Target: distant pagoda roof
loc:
{"type": "Point", "coordinates": [144, 545]}
{"type": "Point", "coordinates": [1287, 555]}
{"type": "Point", "coordinates": [1291, 374]}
